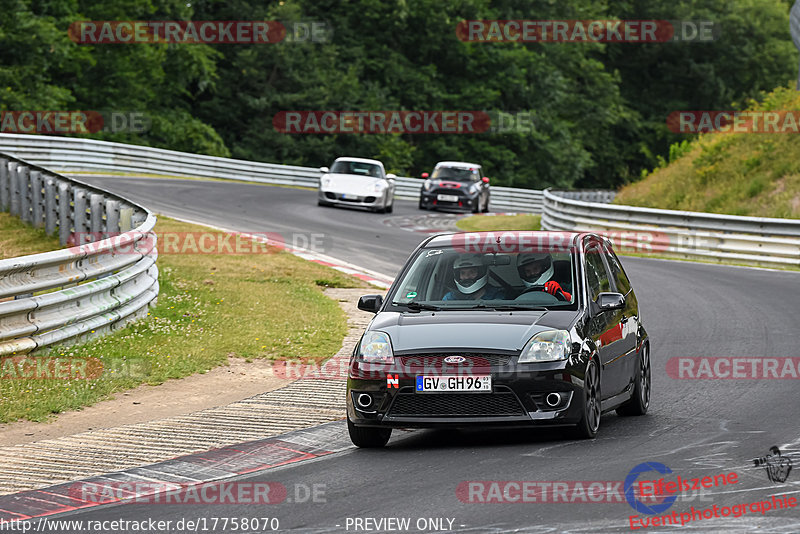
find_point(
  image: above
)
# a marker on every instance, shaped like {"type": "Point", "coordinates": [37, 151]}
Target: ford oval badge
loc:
{"type": "Point", "coordinates": [455, 359]}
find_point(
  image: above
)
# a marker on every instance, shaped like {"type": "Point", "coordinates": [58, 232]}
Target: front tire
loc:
{"type": "Point", "coordinates": [324, 204]}
{"type": "Point", "coordinates": [366, 437]}
{"type": "Point", "coordinates": [590, 420]}
{"type": "Point", "coordinates": [640, 400]}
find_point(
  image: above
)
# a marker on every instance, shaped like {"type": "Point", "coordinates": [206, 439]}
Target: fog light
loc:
{"type": "Point", "coordinates": [364, 400]}
{"type": "Point", "coordinates": [553, 399]}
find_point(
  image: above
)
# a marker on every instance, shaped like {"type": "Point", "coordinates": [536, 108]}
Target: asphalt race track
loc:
{"type": "Point", "coordinates": [695, 427]}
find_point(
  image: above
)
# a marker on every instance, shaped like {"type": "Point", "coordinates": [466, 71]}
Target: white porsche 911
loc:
{"type": "Point", "coordinates": [357, 182]}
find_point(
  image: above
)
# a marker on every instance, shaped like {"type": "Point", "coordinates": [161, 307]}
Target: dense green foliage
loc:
{"type": "Point", "coordinates": [599, 108]}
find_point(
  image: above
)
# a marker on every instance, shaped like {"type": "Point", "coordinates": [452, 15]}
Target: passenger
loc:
{"type": "Point", "coordinates": [536, 270]}
{"type": "Point", "coordinates": [471, 275]}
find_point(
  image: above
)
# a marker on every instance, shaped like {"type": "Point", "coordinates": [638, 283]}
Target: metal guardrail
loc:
{"type": "Point", "coordinates": [75, 155]}
{"type": "Point", "coordinates": [82, 291]}
{"type": "Point", "coordinates": [679, 234]}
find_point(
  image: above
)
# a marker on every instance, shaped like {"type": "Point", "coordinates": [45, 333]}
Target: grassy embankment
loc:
{"type": "Point", "coordinates": [210, 307]}
{"type": "Point", "coordinates": [756, 174]}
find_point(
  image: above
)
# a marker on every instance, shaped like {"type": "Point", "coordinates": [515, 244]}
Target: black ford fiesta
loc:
{"type": "Point", "coordinates": [500, 328]}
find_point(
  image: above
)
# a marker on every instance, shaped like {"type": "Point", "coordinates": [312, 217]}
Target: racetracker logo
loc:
{"type": "Point", "coordinates": [762, 122]}
{"type": "Point", "coordinates": [181, 31]}
{"type": "Point", "coordinates": [71, 368]}
{"type": "Point", "coordinates": [212, 242]}
{"type": "Point", "coordinates": [548, 491]}
{"type": "Point", "coordinates": [733, 368]}
{"type": "Point", "coordinates": [73, 122]}
{"type": "Point", "coordinates": [586, 31]}
{"type": "Point", "coordinates": [177, 493]}
{"type": "Point", "coordinates": [381, 122]}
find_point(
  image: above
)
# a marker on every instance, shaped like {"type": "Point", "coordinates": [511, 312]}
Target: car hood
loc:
{"type": "Point", "coordinates": [351, 183]}
{"type": "Point", "coordinates": [467, 330]}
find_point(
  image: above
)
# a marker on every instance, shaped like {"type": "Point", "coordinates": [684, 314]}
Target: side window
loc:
{"type": "Point", "coordinates": [618, 273]}
{"type": "Point", "coordinates": [596, 274]}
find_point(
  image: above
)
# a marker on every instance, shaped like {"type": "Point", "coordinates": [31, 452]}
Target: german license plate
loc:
{"type": "Point", "coordinates": [469, 383]}
{"type": "Point", "coordinates": [447, 198]}
{"type": "Point", "coordinates": [349, 196]}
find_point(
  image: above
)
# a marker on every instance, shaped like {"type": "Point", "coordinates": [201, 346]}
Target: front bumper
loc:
{"type": "Point", "coordinates": [432, 199]}
{"type": "Point", "coordinates": [518, 397]}
{"type": "Point", "coordinates": [372, 200]}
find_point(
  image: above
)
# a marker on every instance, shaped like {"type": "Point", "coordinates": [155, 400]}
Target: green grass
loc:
{"type": "Point", "coordinates": [210, 307]}
{"type": "Point", "coordinates": [738, 174]}
{"type": "Point", "coordinates": [483, 223]}
{"type": "Point", "coordinates": [20, 239]}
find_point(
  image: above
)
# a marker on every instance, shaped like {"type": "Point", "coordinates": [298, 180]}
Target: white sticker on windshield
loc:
{"type": "Point", "coordinates": [433, 252]}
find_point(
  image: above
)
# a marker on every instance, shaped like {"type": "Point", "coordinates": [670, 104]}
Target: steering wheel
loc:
{"type": "Point", "coordinates": [558, 296]}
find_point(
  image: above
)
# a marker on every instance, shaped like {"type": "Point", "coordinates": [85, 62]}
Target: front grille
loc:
{"type": "Point", "coordinates": [437, 360]}
{"type": "Point", "coordinates": [443, 191]}
{"type": "Point", "coordinates": [455, 405]}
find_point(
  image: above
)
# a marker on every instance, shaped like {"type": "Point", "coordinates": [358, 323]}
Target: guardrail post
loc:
{"type": "Point", "coordinates": [13, 189]}
{"type": "Point", "coordinates": [23, 179]}
{"type": "Point", "coordinates": [112, 218]}
{"type": "Point", "coordinates": [79, 220]}
{"type": "Point", "coordinates": [125, 218]}
{"type": "Point", "coordinates": [4, 204]}
{"type": "Point", "coordinates": [64, 212]}
{"type": "Point", "coordinates": [37, 199]}
{"type": "Point", "coordinates": [50, 205]}
{"type": "Point", "coordinates": [96, 215]}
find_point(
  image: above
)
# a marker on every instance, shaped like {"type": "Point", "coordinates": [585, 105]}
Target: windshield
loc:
{"type": "Point", "coordinates": [357, 167]}
{"type": "Point", "coordinates": [448, 279]}
{"type": "Point", "coordinates": [455, 173]}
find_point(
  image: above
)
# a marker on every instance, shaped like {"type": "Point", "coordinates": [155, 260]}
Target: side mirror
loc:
{"type": "Point", "coordinates": [425, 175]}
{"type": "Point", "coordinates": [324, 169]}
{"type": "Point", "coordinates": [370, 303]}
{"type": "Point", "coordinates": [610, 301]}
{"type": "Point", "coordinates": [486, 179]}
{"type": "Point", "coordinates": [391, 176]}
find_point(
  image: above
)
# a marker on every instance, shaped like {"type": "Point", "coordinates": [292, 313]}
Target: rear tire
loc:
{"type": "Point", "coordinates": [366, 437]}
{"type": "Point", "coordinates": [590, 420]}
{"type": "Point", "coordinates": [640, 400]}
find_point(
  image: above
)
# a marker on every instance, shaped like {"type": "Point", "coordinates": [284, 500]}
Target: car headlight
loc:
{"type": "Point", "coordinates": [379, 187]}
{"type": "Point", "coordinates": [548, 346]}
{"type": "Point", "coordinates": [324, 181]}
{"type": "Point", "coordinates": [427, 185]}
{"type": "Point", "coordinates": [376, 347]}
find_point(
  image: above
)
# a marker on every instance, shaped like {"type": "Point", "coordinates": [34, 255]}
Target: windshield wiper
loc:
{"type": "Point", "coordinates": [501, 308]}
{"type": "Point", "coordinates": [417, 306]}
{"type": "Point", "coordinates": [523, 308]}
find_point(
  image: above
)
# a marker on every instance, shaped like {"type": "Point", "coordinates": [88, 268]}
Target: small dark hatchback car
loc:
{"type": "Point", "coordinates": [500, 328]}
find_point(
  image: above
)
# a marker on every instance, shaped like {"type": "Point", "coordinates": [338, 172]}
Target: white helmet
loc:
{"type": "Point", "coordinates": [472, 284]}
{"type": "Point", "coordinates": [544, 271]}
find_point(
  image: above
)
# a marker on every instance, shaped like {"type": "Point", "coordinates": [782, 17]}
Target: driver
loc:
{"type": "Point", "coordinates": [536, 270]}
{"type": "Point", "coordinates": [471, 275]}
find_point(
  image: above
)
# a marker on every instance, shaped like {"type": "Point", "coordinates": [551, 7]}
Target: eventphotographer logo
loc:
{"type": "Point", "coordinates": [777, 467]}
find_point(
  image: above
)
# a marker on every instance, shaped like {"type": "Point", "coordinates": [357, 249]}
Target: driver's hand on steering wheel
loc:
{"type": "Point", "coordinates": [554, 287]}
